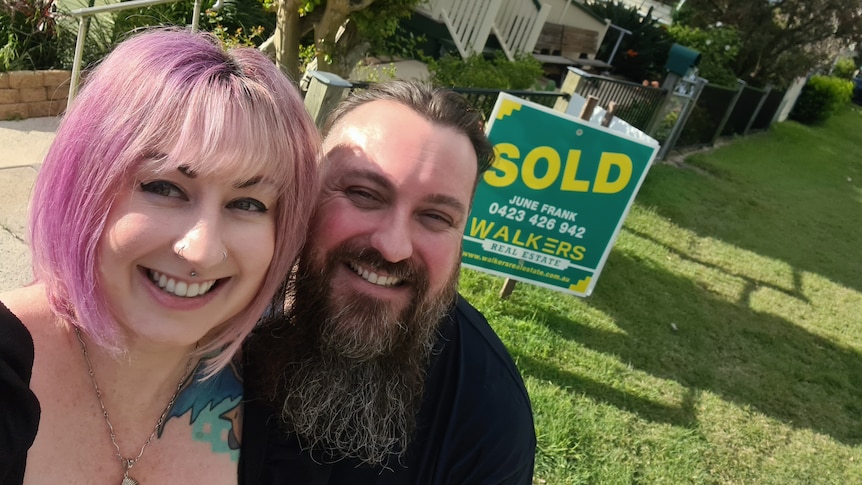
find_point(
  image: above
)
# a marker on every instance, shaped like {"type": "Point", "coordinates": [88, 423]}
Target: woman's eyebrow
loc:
{"type": "Point", "coordinates": [185, 170]}
{"type": "Point", "coordinates": [252, 181]}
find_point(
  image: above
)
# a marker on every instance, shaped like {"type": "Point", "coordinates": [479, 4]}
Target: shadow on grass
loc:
{"type": "Point", "coordinates": [683, 415]}
{"type": "Point", "coordinates": [750, 285]}
{"type": "Point", "coordinates": [748, 358]}
{"type": "Point", "coordinates": [804, 213]}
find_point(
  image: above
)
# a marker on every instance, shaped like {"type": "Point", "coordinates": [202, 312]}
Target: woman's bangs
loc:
{"type": "Point", "coordinates": [239, 139]}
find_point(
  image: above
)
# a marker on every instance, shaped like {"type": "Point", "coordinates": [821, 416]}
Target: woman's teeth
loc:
{"type": "Point", "coordinates": [181, 288]}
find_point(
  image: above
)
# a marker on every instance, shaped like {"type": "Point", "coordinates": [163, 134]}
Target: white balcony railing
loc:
{"type": "Point", "coordinates": [516, 23]}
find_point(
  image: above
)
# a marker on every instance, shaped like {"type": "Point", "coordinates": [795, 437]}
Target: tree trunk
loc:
{"type": "Point", "coordinates": [339, 53]}
{"type": "Point", "coordinates": [326, 32]}
{"type": "Point", "coordinates": [286, 38]}
{"type": "Point", "coordinates": [349, 50]}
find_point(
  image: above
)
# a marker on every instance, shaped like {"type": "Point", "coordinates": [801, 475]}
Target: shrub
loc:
{"type": "Point", "coordinates": [820, 98]}
{"type": "Point", "coordinates": [28, 35]}
{"type": "Point", "coordinates": [641, 55]}
{"type": "Point", "coordinates": [845, 68]}
{"type": "Point", "coordinates": [237, 23]}
{"type": "Point", "coordinates": [480, 72]}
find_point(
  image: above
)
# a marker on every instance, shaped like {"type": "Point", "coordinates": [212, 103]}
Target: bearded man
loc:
{"type": "Point", "coordinates": [379, 372]}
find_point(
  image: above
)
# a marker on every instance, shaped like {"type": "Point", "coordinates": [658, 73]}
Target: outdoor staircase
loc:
{"type": "Point", "coordinates": [515, 23]}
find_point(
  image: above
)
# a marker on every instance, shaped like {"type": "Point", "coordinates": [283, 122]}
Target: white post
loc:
{"type": "Point", "coordinates": [196, 13]}
{"type": "Point", "coordinates": [87, 12]}
{"type": "Point", "coordinates": [565, 9]}
{"type": "Point", "coordinates": [83, 26]}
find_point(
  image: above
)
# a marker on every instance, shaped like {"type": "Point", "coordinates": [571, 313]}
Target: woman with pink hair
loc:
{"type": "Point", "coordinates": [168, 213]}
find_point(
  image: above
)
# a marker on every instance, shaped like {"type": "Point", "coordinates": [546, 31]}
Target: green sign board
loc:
{"type": "Point", "coordinates": [549, 209]}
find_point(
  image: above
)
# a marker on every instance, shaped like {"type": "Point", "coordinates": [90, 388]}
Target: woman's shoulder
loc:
{"type": "Point", "coordinates": [29, 305]}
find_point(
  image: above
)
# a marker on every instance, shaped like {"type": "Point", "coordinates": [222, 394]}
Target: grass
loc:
{"type": "Point", "coordinates": [723, 342]}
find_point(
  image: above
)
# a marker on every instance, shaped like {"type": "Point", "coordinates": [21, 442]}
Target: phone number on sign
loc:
{"type": "Point", "coordinates": [540, 221]}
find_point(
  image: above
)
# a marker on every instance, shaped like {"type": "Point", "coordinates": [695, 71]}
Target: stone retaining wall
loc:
{"type": "Point", "coordinates": [33, 94]}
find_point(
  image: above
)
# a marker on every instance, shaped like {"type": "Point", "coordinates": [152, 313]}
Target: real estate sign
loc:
{"type": "Point", "coordinates": [554, 201]}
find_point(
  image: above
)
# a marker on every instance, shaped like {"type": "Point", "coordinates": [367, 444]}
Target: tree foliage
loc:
{"type": "Point", "coordinates": [477, 71]}
{"type": "Point", "coordinates": [29, 35]}
{"type": "Point", "coordinates": [780, 39]}
{"type": "Point", "coordinates": [845, 68]}
{"type": "Point", "coordinates": [718, 48]}
{"type": "Point", "coordinates": [641, 55]}
{"type": "Point", "coordinates": [338, 51]}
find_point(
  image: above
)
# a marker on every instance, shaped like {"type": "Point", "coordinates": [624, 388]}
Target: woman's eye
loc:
{"type": "Point", "coordinates": [250, 205]}
{"type": "Point", "coordinates": [163, 188]}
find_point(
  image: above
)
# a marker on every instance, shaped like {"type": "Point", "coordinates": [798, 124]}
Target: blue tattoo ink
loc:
{"type": "Point", "coordinates": [215, 405]}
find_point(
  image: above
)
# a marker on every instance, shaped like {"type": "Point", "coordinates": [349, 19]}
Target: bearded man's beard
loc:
{"type": "Point", "coordinates": [356, 383]}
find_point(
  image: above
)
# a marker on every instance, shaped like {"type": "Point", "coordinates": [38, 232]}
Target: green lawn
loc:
{"type": "Point", "coordinates": [723, 341]}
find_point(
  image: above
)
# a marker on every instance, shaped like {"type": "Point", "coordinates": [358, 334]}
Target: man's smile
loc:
{"type": "Point", "coordinates": [373, 277]}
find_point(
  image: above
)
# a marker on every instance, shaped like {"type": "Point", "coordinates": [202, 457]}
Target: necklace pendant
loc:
{"type": "Point", "coordinates": [127, 480]}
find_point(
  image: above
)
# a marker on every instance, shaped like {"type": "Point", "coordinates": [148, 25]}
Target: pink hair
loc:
{"type": "Point", "coordinates": [215, 112]}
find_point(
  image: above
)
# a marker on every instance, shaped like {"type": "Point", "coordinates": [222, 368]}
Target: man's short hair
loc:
{"type": "Point", "coordinates": [437, 105]}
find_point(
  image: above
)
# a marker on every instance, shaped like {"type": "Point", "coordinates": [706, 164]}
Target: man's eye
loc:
{"type": "Point", "coordinates": [362, 197]}
{"type": "Point", "coordinates": [163, 188]}
{"type": "Point", "coordinates": [361, 193]}
{"type": "Point", "coordinates": [436, 220]}
{"type": "Point", "coordinates": [250, 205]}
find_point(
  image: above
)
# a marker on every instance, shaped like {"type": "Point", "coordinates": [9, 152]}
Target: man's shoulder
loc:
{"type": "Point", "coordinates": [479, 339]}
{"type": "Point", "coordinates": [483, 367]}
{"type": "Point", "coordinates": [476, 419]}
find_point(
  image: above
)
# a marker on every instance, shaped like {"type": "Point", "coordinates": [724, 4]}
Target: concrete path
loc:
{"type": "Point", "coordinates": [23, 145]}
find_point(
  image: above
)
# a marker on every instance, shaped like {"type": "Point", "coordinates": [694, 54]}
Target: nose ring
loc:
{"type": "Point", "coordinates": [180, 252]}
{"type": "Point", "coordinates": [223, 255]}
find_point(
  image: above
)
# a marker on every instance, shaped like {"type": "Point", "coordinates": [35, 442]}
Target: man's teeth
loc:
{"type": "Point", "coordinates": [374, 278]}
{"type": "Point", "coordinates": [181, 288]}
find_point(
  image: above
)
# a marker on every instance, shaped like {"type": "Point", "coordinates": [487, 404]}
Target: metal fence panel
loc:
{"type": "Point", "coordinates": [767, 112]}
{"type": "Point", "coordinates": [742, 112]}
{"type": "Point", "coordinates": [706, 116]}
{"type": "Point", "coordinates": [635, 104]}
{"type": "Point", "coordinates": [484, 99]}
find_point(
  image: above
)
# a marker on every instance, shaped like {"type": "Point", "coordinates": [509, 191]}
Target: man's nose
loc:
{"type": "Point", "coordinates": [393, 237]}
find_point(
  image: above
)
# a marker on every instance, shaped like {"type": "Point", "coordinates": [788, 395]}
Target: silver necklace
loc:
{"type": "Point", "coordinates": [128, 463]}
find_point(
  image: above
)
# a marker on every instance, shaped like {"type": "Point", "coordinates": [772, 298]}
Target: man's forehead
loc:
{"type": "Point", "coordinates": [375, 118]}
{"type": "Point", "coordinates": [393, 139]}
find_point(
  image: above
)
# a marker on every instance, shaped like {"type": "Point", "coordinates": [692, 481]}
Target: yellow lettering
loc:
{"type": "Point", "coordinates": [577, 253]}
{"type": "Point", "coordinates": [503, 234]}
{"type": "Point", "coordinates": [605, 186]}
{"type": "Point", "coordinates": [515, 239]}
{"type": "Point", "coordinates": [564, 248]}
{"type": "Point", "coordinates": [570, 182]}
{"type": "Point", "coordinates": [550, 245]}
{"type": "Point", "coordinates": [533, 240]}
{"type": "Point", "coordinates": [503, 171]}
{"type": "Point", "coordinates": [482, 228]}
{"type": "Point", "coordinates": [528, 171]}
